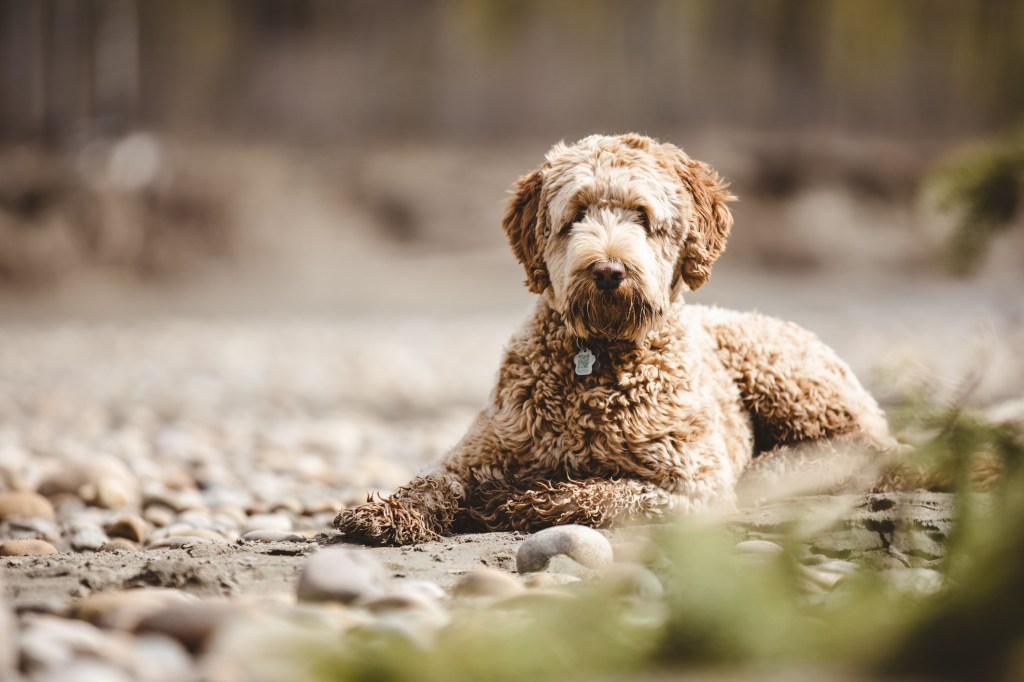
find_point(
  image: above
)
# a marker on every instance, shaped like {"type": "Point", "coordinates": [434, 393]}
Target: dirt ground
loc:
{"type": "Point", "coordinates": [330, 398]}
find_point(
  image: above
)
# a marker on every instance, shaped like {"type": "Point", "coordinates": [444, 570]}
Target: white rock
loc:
{"type": "Point", "coordinates": [632, 580]}
{"type": "Point", "coordinates": [159, 658]}
{"type": "Point", "coordinates": [584, 545]}
{"type": "Point", "coordinates": [922, 581]}
{"type": "Point", "coordinates": [272, 536]}
{"type": "Point", "coordinates": [758, 547]}
{"type": "Point", "coordinates": [88, 538]}
{"type": "Point", "coordinates": [341, 575]}
{"type": "Point", "coordinates": [487, 582]}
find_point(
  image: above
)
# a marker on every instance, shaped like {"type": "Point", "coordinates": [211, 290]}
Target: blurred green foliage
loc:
{"type": "Point", "coordinates": [984, 188]}
{"type": "Point", "coordinates": [723, 615]}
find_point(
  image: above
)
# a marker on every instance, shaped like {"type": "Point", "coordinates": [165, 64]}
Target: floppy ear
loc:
{"type": "Point", "coordinates": [524, 226]}
{"type": "Point", "coordinates": [712, 219]}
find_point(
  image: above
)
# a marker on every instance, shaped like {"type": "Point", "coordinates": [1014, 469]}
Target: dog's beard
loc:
{"type": "Point", "coordinates": [623, 314]}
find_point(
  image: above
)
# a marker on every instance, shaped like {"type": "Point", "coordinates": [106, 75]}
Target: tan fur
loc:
{"type": "Point", "coordinates": [685, 398]}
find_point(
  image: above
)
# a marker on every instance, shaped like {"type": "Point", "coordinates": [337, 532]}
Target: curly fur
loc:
{"type": "Point", "coordinates": [685, 398]}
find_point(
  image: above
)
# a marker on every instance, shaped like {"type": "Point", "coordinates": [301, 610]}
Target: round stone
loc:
{"type": "Point", "coordinates": [35, 526]}
{"type": "Point", "coordinates": [159, 515]}
{"type": "Point", "coordinates": [584, 545]}
{"type": "Point", "coordinates": [160, 658]}
{"type": "Point", "coordinates": [50, 646]}
{"type": "Point", "coordinates": [487, 582]}
{"type": "Point", "coordinates": [177, 542]}
{"type": "Point", "coordinates": [26, 547]}
{"type": "Point", "coordinates": [111, 492]}
{"type": "Point", "coordinates": [759, 547]}
{"type": "Point", "coordinates": [24, 504]}
{"type": "Point", "coordinates": [914, 580]}
{"type": "Point", "coordinates": [339, 575]}
{"type": "Point", "coordinates": [203, 534]}
{"type": "Point", "coordinates": [88, 538]}
{"type": "Point", "coordinates": [191, 624]}
{"type": "Point", "coordinates": [632, 580]}
{"type": "Point", "coordinates": [267, 522]}
{"type": "Point", "coordinates": [130, 526]}
{"type": "Point", "coordinates": [824, 578]}
{"type": "Point", "coordinates": [549, 580]}
{"type": "Point", "coordinates": [119, 545]}
{"type": "Point", "coordinates": [125, 609]}
{"type": "Point", "coordinates": [272, 536]}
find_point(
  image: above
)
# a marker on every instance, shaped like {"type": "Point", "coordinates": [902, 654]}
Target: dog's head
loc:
{"type": "Point", "coordinates": [612, 229]}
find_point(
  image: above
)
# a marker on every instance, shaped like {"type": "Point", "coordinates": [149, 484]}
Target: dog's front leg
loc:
{"type": "Point", "coordinates": [421, 510]}
{"type": "Point", "coordinates": [598, 503]}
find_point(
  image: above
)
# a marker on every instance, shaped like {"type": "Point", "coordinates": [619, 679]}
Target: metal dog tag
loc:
{"type": "Point", "coordinates": [584, 361]}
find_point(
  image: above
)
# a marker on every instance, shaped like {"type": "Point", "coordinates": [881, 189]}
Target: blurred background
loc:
{"type": "Point", "coordinates": [290, 208]}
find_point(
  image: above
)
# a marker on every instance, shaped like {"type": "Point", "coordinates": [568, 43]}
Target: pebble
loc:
{"type": "Point", "coordinates": [130, 526]}
{"type": "Point", "coordinates": [177, 542]}
{"type": "Point", "coordinates": [125, 609]}
{"type": "Point", "coordinates": [272, 536]}
{"type": "Point", "coordinates": [119, 545]}
{"type": "Point", "coordinates": [288, 504]}
{"type": "Point", "coordinates": [818, 575]}
{"type": "Point", "coordinates": [584, 545]}
{"type": "Point", "coordinates": [26, 547]}
{"type": "Point", "coordinates": [162, 659]}
{"type": "Point", "coordinates": [267, 522]}
{"type": "Point", "coordinates": [922, 581]}
{"type": "Point", "coordinates": [159, 515]}
{"type": "Point", "coordinates": [52, 643]}
{"type": "Point", "coordinates": [427, 587]}
{"type": "Point", "coordinates": [409, 608]}
{"type": "Point", "coordinates": [533, 598]}
{"type": "Point", "coordinates": [487, 582]}
{"type": "Point", "coordinates": [204, 534]}
{"type": "Point", "coordinates": [191, 624]}
{"type": "Point", "coordinates": [340, 575]}
{"type": "Point", "coordinates": [839, 566]}
{"type": "Point", "coordinates": [24, 504]}
{"type": "Point", "coordinates": [177, 500]}
{"type": "Point", "coordinates": [632, 580]}
{"type": "Point", "coordinates": [759, 547]}
{"type": "Point", "coordinates": [88, 538]}
{"type": "Point", "coordinates": [547, 580]}
{"type": "Point", "coordinates": [41, 528]}
{"type": "Point", "coordinates": [110, 493]}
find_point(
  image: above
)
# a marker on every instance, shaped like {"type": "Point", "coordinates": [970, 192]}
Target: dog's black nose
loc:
{"type": "Point", "coordinates": [608, 274]}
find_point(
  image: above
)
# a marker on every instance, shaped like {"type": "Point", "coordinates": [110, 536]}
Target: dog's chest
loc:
{"type": "Point", "coordinates": [635, 413]}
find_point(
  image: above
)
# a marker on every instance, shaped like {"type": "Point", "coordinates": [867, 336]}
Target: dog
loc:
{"type": "Point", "coordinates": [617, 401]}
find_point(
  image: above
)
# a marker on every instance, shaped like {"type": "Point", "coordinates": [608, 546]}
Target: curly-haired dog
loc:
{"type": "Point", "coordinates": [617, 401]}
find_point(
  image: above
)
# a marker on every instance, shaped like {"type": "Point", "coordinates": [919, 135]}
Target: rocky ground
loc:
{"type": "Point", "coordinates": [167, 479]}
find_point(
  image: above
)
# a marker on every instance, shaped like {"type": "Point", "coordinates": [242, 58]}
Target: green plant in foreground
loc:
{"type": "Point", "coordinates": [985, 187]}
{"type": "Point", "coordinates": [723, 614]}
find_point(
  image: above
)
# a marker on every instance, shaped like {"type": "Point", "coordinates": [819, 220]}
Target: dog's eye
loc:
{"type": "Point", "coordinates": [578, 218]}
{"type": "Point", "coordinates": [645, 220]}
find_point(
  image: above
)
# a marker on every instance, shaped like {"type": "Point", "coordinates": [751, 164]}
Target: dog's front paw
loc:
{"type": "Point", "coordinates": [383, 523]}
